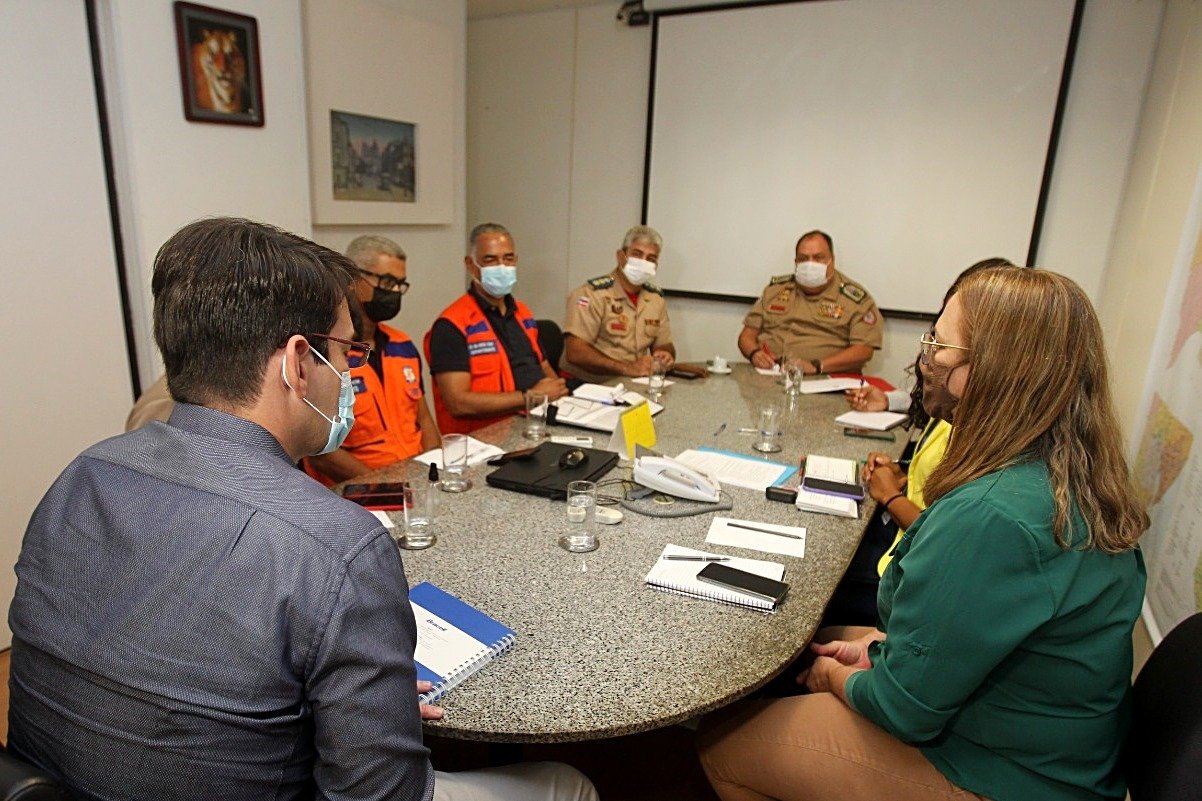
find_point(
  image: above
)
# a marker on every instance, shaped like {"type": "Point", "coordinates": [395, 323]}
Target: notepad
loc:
{"type": "Point", "coordinates": [588, 410]}
{"type": "Point", "coordinates": [737, 469]}
{"type": "Point", "coordinates": [876, 421]}
{"type": "Point", "coordinates": [454, 639]}
{"type": "Point", "coordinates": [837, 505]}
{"type": "Point", "coordinates": [681, 577]}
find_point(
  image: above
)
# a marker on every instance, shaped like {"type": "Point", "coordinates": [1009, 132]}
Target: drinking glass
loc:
{"type": "Point", "coordinates": [454, 463]}
{"type": "Point", "coordinates": [655, 381]}
{"type": "Point", "coordinates": [769, 430]}
{"type": "Point", "coordinates": [416, 530]}
{"type": "Point", "coordinates": [581, 536]}
{"type": "Point", "coordinates": [793, 373]}
{"type": "Point", "coordinates": [536, 416]}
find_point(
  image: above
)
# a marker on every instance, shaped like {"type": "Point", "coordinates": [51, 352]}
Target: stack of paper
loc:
{"type": "Point", "coordinates": [837, 505]}
{"type": "Point", "coordinates": [737, 469]}
{"type": "Point", "coordinates": [598, 407]}
{"type": "Point", "coordinates": [876, 421]}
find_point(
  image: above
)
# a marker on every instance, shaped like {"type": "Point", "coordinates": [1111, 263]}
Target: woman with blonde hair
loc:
{"type": "Point", "coordinates": [1002, 666]}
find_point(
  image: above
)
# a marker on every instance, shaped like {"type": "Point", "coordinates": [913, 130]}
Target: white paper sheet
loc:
{"type": "Point", "coordinates": [721, 532]}
{"type": "Point", "coordinates": [737, 471]}
{"type": "Point", "coordinates": [477, 453]}
{"type": "Point", "coordinates": [876, 421]}
{"type": "Point", "coordinates": [814, 386]}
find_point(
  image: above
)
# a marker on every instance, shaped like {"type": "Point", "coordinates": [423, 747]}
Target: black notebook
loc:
{"type": "Point", "coordinates": [541, 473]}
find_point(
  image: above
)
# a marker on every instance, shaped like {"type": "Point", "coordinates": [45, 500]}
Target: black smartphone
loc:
{"type": "Point", "coordinates": [826, 487]}
{"type": "Point", "coordinates": [870, 433]}
{"type": "Point", "coordinates": [741, 580]}
{"type": "Point", "coordinates": [384, 495]}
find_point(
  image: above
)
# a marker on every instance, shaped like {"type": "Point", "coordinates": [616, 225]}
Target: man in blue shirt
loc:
{"type": "Point", "coordinates": [195, 618]}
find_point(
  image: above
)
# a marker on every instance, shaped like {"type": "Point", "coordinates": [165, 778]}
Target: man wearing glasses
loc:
{"type": "Point", "coordinates": [814, 315]}
{"type": "Point", "coordinates": [392, 418]}
{"type": "Point", "coordinates": [483, 349]}
{"type": "Point", "coordinates": [195, 618]}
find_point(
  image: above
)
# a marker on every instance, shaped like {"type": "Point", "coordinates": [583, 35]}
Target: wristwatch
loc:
{"type": "Point", "coordinates": [817, 366]}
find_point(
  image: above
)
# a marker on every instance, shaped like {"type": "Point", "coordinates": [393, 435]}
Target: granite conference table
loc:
{"type": "Point", "coordinates": [598, 652]}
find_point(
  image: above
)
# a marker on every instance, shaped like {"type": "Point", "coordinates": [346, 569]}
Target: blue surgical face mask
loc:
{"type": "Point", "coordinates": [498, 280]}
{"type": "Point", "coordinates": [340, 424]}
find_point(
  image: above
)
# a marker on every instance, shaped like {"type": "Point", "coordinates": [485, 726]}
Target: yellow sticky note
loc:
{"type": "Point", "coordinates": [637, 428]}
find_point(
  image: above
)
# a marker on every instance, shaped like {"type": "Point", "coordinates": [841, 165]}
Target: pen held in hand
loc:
{"type": "Point", "coordinates": [684, 558]}
{"type": "Point", "coordinates": [763, 531]}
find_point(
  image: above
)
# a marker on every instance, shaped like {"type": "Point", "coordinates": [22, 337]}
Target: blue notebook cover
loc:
{"type": "Point", "coordinates": [492, 637]}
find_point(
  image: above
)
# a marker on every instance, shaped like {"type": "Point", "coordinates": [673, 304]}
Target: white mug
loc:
{"type": "Point", "coordinates": [718, 363]}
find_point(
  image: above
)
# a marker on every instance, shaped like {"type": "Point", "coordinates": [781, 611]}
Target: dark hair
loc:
{"type": "Point", "coordinates": [830, 243]}
{"type": "Point", "coordinates": [228, 293]}
{"type": "Point", "coordinates": [918, 415]}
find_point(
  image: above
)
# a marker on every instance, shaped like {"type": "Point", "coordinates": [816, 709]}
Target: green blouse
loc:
{"type": "Point", "coordinates": [1008, 658]}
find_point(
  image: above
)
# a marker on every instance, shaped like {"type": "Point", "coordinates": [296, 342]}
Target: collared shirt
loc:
{"type": "Point", "coordinates": [603, 315]}
{"type": "Point", "coordinates": [195, 618]}
{"type": "Point", "coordinates": [794, 324]}
{"type": "Point", "coordinates": [448, 347]}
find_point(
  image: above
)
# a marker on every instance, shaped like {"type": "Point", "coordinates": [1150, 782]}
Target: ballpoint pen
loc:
{"type": "Point", "coordinates": [683, 558]}
{"type": "Point", "coordinates": [764, 531]}
{"type": "Point", "coordinates": [721, 428]}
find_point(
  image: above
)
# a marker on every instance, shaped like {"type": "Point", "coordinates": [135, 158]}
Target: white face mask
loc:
{"type": "Point", "coordinates": [810, 274]}
{"type": "Point", "coordinates": [637, 271]}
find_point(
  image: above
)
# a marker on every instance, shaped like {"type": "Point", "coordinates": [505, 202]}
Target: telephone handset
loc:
{"type": "Point", "coordinates": [675, 478]}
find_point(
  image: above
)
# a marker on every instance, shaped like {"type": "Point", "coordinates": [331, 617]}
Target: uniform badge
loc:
{"type": "Point", "coordinates": [359, 384]}
{"type": "Point", "coordinates": [582, 302]}
{"type": "Point", "coordinates": [616, 308]}
{"type": "Point", "coordinates": [410, 375]}
{"type": "Point", "coordinates": [781, 302]}
{"type": "Point", "coordinates": [870, 318]}
{"type": "Point", "coordinates": [854, 292]}
{"type": "Point", "coordinates": [828, 308]}
{"type": "Point", "coordinates": [621, 324]}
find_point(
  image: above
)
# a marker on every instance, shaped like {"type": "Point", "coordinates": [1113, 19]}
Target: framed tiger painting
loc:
{"type": "Point", "coordinates": [219, 66]}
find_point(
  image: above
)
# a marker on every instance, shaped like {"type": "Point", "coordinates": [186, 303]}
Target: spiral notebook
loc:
{"type": "Point", "coordinates": [680, 577]}
{"type": "Point", "coordinates": [454, 639]}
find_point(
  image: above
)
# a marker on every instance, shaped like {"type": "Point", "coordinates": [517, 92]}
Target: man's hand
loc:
{"type": "Point", "coordinates": [640, 366]}
{"type": "Point", "coordinates": [867, 399]}
{"type": "Point", "coordinates": [553, 388]}
{"type": "Point", "coordinates": [762, 360]}
{"type": "Point", "coordinates": [664, 358]}
{"type": "Point", "coordinates": [429, 711]}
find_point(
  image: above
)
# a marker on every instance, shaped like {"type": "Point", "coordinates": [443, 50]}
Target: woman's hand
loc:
{"type": "Point", "coordinates": [867, 399]}
{"type": "Point", "coordinates": [884, 483]}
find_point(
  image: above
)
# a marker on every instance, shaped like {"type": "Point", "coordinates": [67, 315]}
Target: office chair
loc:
{"type": "Point", "coordinates": [1164, 747]}
{"type": "Point", "coordinates": [550, 339]}
{"type": "Point", "coordinates": [20, 781]}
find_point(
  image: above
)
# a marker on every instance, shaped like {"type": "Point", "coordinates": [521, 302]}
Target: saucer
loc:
{"type": "Point", "coordinates": [717, 371]}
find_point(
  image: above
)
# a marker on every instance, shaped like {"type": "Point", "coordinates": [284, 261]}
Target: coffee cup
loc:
{"type": "Point", "coordinates": [718, 363]}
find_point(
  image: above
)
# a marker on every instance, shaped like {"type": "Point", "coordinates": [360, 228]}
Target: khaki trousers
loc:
{"type": "Point", "coordinates": [814, 747]}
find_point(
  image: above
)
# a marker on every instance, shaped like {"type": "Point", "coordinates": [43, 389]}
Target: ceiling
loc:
{"type": "Point", "coordinates": [496, 8]}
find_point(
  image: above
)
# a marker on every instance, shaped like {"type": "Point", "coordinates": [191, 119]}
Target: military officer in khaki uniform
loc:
{"type": "Point", "coordinates": [617, 324]}
{"type": "Point", "coordinates": [815, 316]}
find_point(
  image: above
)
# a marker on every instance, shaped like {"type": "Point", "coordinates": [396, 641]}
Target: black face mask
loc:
{"type": "Point", "coordinates": [384, 305]}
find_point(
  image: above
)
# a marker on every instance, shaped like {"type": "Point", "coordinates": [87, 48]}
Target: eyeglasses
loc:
{"type": "Point", "coordinates": [356, 352]}
{"type": "Point", "coordinates": [930, 345]}
{"type": "Point", "coordinates": [388, 283]}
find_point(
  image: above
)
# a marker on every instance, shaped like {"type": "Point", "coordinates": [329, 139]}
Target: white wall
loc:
{"type": "Point", "coordinates": [1164, 168]}
{"type": "Point", "coordinates": [556, 139]}
{"type": "Point", "coordinates": [435, 263]}
{"type": "Point", "coordinates": [65, 372]}
{"type": "Point", "coordinates": [172, 171]}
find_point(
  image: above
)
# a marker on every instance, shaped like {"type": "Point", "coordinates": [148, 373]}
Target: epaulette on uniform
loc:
{"type": "Point", "coordinates": [601, 282]}
{"type": "Point", "coordinates": [852, 291]}
{"type": "Point", "coordinates": [781, 279]}
{"type": "Point", "coordinates": [650, 287]}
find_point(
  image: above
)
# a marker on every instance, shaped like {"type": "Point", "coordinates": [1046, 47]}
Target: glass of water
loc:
{"type": "Point", "coordinates": [793, 373]}
{"type": "Point", "coordinates": [454, 463]}
{"type": "Point", "coordinates": [416, 530]}
{"type": "Point", "coordinates": [769, 430]}
{"type": "Point", "coordinates": [536, 416]}
{"type": "Point", "coordinates": [655, 381]}
{"type": "Point", "coordinates": [581, 536]}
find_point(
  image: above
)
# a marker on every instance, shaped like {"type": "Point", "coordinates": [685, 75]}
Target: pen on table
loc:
{"type": "Point", "coordinates": [721, 428]}
{"type": "Point", "coordinates": [764, 531]}
{"type": "Point", "coordinates": [682, 558]}
{"type": "Point", "coordinates": [749, 431]}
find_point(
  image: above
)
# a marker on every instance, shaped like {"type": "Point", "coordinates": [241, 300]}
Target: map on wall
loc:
{"type": "Point", "coordinates": [1168, 470]}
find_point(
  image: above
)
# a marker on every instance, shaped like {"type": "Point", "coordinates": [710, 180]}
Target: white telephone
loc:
{"type": "Point", "coordinates": [674, 478]}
